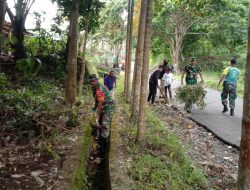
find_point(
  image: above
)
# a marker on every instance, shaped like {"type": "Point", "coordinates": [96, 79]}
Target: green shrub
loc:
{"type": "Point", "coordinates": [194, 94]}
{"type": "Point", "coordinates": [20, 108]}
{"type": "Point", "coordinates": [29, 67]}
{"type": "Point", "coordinates": [4, 83]}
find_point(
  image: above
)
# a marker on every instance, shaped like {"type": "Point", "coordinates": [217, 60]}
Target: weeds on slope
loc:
{"type": "Point", "coordinates": [163, 163]}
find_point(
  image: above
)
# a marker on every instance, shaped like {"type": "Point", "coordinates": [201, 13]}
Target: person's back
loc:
{"type": "Point", "coordinates": [232, 74]}
{"type": "Point", "coordinates": [155, 76]}
{"type": "Point", "coordinates": [110, 80]}
{"type": "Point", "coordinates": [167, 78]}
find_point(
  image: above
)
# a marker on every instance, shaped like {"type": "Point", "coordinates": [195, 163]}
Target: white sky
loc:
{"type": "Point", "coordinates": [40, 5]}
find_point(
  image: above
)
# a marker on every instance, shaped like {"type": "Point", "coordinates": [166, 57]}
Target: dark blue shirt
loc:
{"type": "Point", "coordinates": [109, 81]}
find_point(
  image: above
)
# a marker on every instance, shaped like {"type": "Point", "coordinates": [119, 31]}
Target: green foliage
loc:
{"type": "Point", "coordinates": [218, 32]}
{"type": "Point", "coordinates": [20, 107]}
{"type": "Point", "coordinates": [4, 83]}
{"type": "Point", "coordinates": [112, 23]}
{"type": "Point", "coordinates": [194, 94]}
{"type": "Point", "coordinates": [89, 12]}
{"type": "Point", "coordinates": [29, 67]}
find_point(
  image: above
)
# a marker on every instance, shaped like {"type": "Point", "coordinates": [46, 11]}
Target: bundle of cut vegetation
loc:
{"type": "Point", "coordinates": [191, 94]}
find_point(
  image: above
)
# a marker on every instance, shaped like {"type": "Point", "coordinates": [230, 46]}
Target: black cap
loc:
{"type": "Point", "coordinates": [233, 61]}
{"type": "Point", "coordinates": [92, 77]}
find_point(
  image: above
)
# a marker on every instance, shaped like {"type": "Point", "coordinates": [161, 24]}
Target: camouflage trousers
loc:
{"type": "Point", "coordinates": [229, 92]}
{"type": "Point", "coordinates": [102, 133]}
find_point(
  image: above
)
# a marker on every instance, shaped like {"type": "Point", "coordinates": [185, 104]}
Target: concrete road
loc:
{"type": "Point", "coordinates": [224, 126]}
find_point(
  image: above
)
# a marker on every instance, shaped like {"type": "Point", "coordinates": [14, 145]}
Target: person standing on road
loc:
{"type": "Point", "coordinates": [229, 78]}
{"type": "Point", "coordinates": [104, 107]}
{"type": "Point", "coordinates": [110, 83]}
{"type": "Point", "coordinates": [192, 71]}
{"type": "Point", "coordinates": [153, 84]}
{"type": "Point", "coordinates": [168, 79]}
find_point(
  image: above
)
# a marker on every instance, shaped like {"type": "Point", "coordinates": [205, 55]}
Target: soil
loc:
{"type": "Point", "coordinates": [32, 166]}
{"type": "Point", "coordinates": [218, 160]}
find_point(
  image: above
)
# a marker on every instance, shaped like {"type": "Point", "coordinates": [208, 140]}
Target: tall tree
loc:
{"type": "Point", "coordinates": [138, 62]}
{"type": "Point", "coordinates": [2, 13]}
{"type": "Point", "coordinates": [89, 14]}
{"type": "Point", "coordinates": [127, 84]}
{"type": "Point", "coordinates": [113, 26]}
{"type": "Point", "coordinates": [144, 77]}
{"type": "Point", "coordinates": [89, 21]}
{"type": "Point", "coordinates": [244, 160]}
{"type": "Point", "coordinates": [22, 8]}
{"type": "Point", "coordinates": [2, 16]}
{"type": "Point", "coordinates": [127, 47]}
{"type": "Point", "coordinates": [72, 54]}
{"type": "Point", "coordinates": [175, 19]}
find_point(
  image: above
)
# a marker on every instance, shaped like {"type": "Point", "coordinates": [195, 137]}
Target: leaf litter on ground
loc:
{"type": "Point", "coordinates": [218, 160]}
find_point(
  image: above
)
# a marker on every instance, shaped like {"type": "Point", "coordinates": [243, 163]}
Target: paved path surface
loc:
{"type": "Point", "coordinates": [224, 126]}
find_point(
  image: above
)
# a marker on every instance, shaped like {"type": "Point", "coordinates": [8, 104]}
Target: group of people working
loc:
{"type": "Point", "coordinates": [104, 95]}
{"type": "Point", "coordinates": [191, 71]}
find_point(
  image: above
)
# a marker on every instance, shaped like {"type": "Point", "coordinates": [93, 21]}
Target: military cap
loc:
{"type": "Point", "coordinates": [92, 77]}
{"type": "Point", "coordinates": [193, 58]}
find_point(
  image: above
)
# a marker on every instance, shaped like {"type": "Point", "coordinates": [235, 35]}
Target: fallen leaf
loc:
{"type": "Point", "coordinates": [171, 155]}
{"type": "Point", "coordinates": [36, 173]}
{"type": "Point", "coordinates": [234, 176]}
{"type": "Point", "coordinates": [16, 176]}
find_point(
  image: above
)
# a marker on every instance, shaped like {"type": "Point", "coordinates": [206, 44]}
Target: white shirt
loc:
{"type": "Point", "coordinates": [168, 79]}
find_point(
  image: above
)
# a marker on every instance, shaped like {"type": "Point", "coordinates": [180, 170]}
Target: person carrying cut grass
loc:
{"type": "Point", "coordinates": [191, 71]}
{"type": "Point", "coordinates": [229, 78]}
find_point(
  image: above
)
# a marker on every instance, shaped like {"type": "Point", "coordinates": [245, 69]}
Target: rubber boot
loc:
{"type": "Point", "coordinates": [225, 109]}
{"type": "Point", "coordinates": [232, 112]}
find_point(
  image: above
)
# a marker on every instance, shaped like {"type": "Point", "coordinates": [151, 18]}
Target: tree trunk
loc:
{"type": "Point", "coordinates": [18, 33]}
{"type": "Point", "coordinates": [139, 61]}
{"type": "Point", "coordinates": [176, 56]}
{"type": "Point", "coordinates": [2, 14]}
{"type": "Point", "coordinates": [144, 77]}
{"type": "Point", "coordinates": [129, 53]}
{"type": "Point", "coordinates": [72, 54]}
{"type": "Point", "coordinates": [81, 80]}
{"type": "Point", "coordinates": [2, 18]}
{"type": "Point", "coordinates": [127, 48]}
{"type": "Point", "coordinates": [244, 160]}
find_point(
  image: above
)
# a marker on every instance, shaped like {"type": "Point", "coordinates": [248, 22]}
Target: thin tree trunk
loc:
{"type": "Point", "coordinates": [144, 77]}
{"type": "Point", "coordinates": [2, 18]}
{"type": "Point", "coordinates": [81, 80]}
{"type": "Point", "coordinates": [18, 32]}
{"type": "Point", "coordinates": [138, 62]}
{"type": "Point", "coordinates": [127, 48]}
{"type": "Point", "coordinates": [128, 89]}
{"type": "Point", "coordinates": [18, 25]}
{"type": "Point", "coordinates": [244, 160]}
{"type": "Point", "coordinates": [72, 54]}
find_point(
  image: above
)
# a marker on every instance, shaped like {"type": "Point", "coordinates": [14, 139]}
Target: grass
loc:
{"type": "Point", "coordinates": [163, 163]}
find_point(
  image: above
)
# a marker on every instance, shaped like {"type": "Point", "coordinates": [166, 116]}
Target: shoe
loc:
{"type": "Point", "coordinates": [225, 109]}
{"type": "Point", "coordinates": [232, 112]}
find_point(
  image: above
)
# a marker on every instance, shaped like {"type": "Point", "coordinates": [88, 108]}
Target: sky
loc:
{"type": "Point", "coordinates": [46, 6]}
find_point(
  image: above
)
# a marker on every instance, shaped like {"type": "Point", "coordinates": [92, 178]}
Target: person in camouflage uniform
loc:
{"type": "Point", "coordinates": [104, 107]}
{"type": "Point", "coordinates": [229, 78]}
{"type": "Point", "coordinates": [192, 71]}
